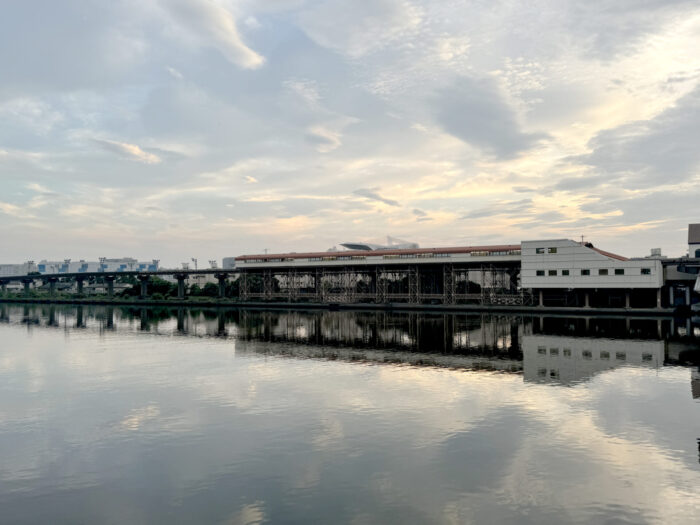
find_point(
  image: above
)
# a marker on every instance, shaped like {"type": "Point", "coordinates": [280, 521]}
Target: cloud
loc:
{"type": "Point", "coordinates": [215, 25]}
{"type": "Point", "coordinates": [419, 213]}
{"type": "Point", "coordinates": [323, 138]}
{"type": "Point", "coordinates": [128, 151]}
{"type": "Point", "coordinates": [645, 153]}
{"type": "Point", "coordinates": [475, 111]}
{"type": "Point", "coordinates": [359, 27]}
{"type": "Point", "coordinates": [374, 196]}
{"type": "Point", "coordinates": [500, 208]}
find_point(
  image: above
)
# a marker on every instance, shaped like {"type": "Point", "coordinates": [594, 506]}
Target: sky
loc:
{"type": "Point", "coordinates": [173, 129]}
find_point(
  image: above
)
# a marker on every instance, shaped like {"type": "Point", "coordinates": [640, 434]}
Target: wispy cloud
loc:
{"type": "Point", "coordinates": [128, 151]}
{"type": "Point", "coordinates": [372, 195]}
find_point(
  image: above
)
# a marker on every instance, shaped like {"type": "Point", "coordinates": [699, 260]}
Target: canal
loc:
{"type": "Point", "coordinates": [177, 415]}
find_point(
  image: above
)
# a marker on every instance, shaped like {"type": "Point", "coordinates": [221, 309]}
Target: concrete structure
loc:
{"type": "Point", "coordinates": [694, 240]}
{"type": "Point", "coordinates": [563, 263]}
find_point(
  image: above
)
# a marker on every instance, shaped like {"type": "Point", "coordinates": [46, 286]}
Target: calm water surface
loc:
{"type": "Point", "coordinates": [117, 415]}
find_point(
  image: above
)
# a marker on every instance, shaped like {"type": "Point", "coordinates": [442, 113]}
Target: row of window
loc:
{"type": "Point", "coordinates": [587, 354]}
{"type": "Point", "coordinates": [549, 250]}
{"type": "Point", "coordinates": [587, 272]}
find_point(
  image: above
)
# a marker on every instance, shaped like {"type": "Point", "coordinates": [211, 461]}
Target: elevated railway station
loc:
{"type": "Point", "coordinates": [559, 273]}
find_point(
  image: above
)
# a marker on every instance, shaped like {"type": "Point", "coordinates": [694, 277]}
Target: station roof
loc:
{"type": "Point", "coordinates": [376, 253]}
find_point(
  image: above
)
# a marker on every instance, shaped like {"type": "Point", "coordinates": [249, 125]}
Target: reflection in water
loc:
{"type": "Point", "coordinates": [545, 349]}
{"type": "Point", "coordinates": [141, 415]}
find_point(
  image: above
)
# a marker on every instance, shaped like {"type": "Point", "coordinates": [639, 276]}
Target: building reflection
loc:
{"type": "Point", "coordinates": [544, 349]}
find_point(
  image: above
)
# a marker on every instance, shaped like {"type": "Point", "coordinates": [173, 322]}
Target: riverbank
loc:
{"type": "Point", "coordinates": [217, 303]}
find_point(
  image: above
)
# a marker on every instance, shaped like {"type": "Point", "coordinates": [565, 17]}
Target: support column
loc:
{"type": "Point", "coordinates": [658, 297]}
{"type": "Point", "coordinates": [687, 295]}
{"type": "Point", "coordinates": [52, 285]}
{"type": "Point", "coordinates": [109, 279]}
{"type": "Point", "coordinates": [27, 284]}
{"type": "Point", "coordinates": [541, 302]}
{"type": "Point", "coordinates": [587, 299]}
{"type": "Point", "coordinates": [670, 297]}
{"type": "Point", "coordinates": [3, 287]}
{"type": "Point", "coordinates": [80, 281]}
{"type": "Point", "coordinates": [180, 284]}
{"type": "Point", "coordinates": [627, 299]}
{"type": "Point", "coordinates": [144, 285]}
{"type": "Point", "coordinates": [222, 277]}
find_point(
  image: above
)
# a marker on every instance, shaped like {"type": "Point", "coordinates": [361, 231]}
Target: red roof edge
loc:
{"type": "Point", "coordinates": [611, 255]}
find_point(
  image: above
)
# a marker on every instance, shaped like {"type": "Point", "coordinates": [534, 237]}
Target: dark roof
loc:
{"type": "Point", "coordinates": [360, 253]}
{"type": "Point", "coordinates": [693, 233]}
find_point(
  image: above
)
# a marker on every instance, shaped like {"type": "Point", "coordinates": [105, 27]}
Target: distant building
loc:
{"type": "Point", "coordinates": [44, 267]}
{"type": "Point", "coordinates": [694, 240]}
{"type": "Point", "coordinates": [124, 264]}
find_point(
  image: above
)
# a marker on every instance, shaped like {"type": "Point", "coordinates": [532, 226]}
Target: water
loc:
{"type": "Point", "coordinates": [117, 415]}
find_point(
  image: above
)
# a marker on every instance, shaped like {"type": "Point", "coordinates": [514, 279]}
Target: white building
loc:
{"type": "Point", "coordinates": [567, 264]}
{"type": "Point", "coordinates": [124, 264]}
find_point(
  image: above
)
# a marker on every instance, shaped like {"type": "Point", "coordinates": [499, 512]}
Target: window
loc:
{"type": "Point", "coordinates": [647, 357]}
{"type": "Point", "coordinates": [553, 351]}
{"type": "Point", "coordinates": [540, 273]}
{"type": "Point", "coordinates": [542, 350]}
{"type": "Point", "coordinates": [567, 352]}
{"type": "Point", "coordinates": [621, 356]}
{"type": "Point", "coordinates": [565, 272]}
{"type": "Point", "coordinates": [603, 271]}
{"type": "Point", "coordinates": [539, 250]}
{"type": "Point", "coordinates": [619, 271]}
{"type": "Point", "coordinates": [604, 354]}
{"type": "Point", "coordinates": [552, 273]}
{"type": "Point", "coordinates": [587, 354]}
{"type": "Point", "coordinates": [552, 250]}
{"type": "Point", "coordinates": [646, 271]}
{"type": "Point", "coordinates": [585, 272]}
{"type": "Point", "coordinates": [697, 254]}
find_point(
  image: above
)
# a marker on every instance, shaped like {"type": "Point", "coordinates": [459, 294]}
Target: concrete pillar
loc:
{"type": "Point", "coordinates": [687, 295]}
{"type": "Point", "coordinates": [80, 281]}
{"type": "Point", "coordinates": [587, 299]}
{"type": "Point", "coordinates": [541, 302]}
{"type": "Point", "coordinates": [3, 287]}
{"type": "Point", "coordinates": [222, 277]}
{"type": "Point", "coordinates": [144, 285]}
{"type": "Point", "coordinates": [627, 299]}
{"type": "Point", "coordinates": [670, 296]}
{"type": "Point", "coordinates": [658, 298]}
{"type": "Point", "coordinates": [109, 279]}
{"type": "Point", "coordinates": [180, 284]}
{"type": "Point", "coordinates": [52, 285]}
{"type": "Point", "coordinates": [27, 284]}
